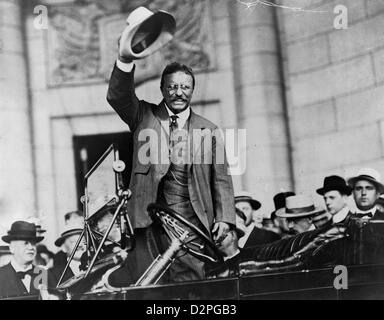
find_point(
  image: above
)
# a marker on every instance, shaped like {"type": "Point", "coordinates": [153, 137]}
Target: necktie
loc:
{"type": "Point", "coordinates": [362, 215]}
{"type": "Point", "coordinates": [172, 127]}
{"type": "Point", "coordinates": [22, 274]}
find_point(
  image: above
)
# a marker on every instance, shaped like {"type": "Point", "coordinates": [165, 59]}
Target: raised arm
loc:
{"type": "Point", "coordinates": [121, 96]}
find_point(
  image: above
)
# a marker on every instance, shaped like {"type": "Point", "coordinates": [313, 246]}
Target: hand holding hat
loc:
{"type": "Point", "coordinates": [145, 33]}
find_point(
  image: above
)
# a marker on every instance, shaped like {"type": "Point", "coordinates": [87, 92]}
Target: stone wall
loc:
{"type": "Point", "coordinates": [334, 88]}
{"type": "Point", "coordinates": [17, 198]}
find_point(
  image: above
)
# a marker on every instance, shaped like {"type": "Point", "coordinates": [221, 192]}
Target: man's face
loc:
{"type": "Point", "coordinates": [103, 224]}
{"type": "Point", "coordinates": [177, 91]}
{"type": "Point", "coordinates": [240, 223]}
{"type": "Point", "coordinates": [69, 245]}
{"type": "Point", "coordinates": [281, 222]}
{"type": "Point", "coordinates": [247, 209]}
{"type": "Point", "coordinates": [335, 201]}
{"type": "Point", "coordinates": [24, 251]}
{"type": "Point", "coordinates": [365, 194]}
{"type": "Point", "coordinates": [299, 225]}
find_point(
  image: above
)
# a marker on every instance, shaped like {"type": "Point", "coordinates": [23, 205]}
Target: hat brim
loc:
{"type": "Point", "coordinates": [59, 242]}
{"type": "Point", "coordinates": [344, 190]}
{"type": "Point", "coordinates": [9, 238]}
{"type": "Point", "coordinates": [352, 182]}
{"type": "Point", "coordinates": [255, 205]}
{"type": "Point", "coordinates": [168, 25]}
{"type": "Point", "coordinates": [284, 214]}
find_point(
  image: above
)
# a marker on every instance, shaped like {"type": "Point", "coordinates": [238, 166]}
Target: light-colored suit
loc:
{"type": "Point", "coordinates": [209, 184]}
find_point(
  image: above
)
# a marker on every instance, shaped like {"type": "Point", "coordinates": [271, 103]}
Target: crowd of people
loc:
{"type": "Point", "coordinates": [294, 215]}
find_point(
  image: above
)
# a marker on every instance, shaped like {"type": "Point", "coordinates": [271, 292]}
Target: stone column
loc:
{"type": "Point", "coordinates": [17, 199]}
{"type": "Point", "coordinates": [260, 101]}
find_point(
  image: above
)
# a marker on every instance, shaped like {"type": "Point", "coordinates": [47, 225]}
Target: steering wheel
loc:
{"type": "Point", "coordinates": [175, 226]}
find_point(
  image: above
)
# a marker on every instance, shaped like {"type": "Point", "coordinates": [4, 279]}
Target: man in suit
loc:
{"type": "Point", "coordinates": [335, 192]}
{"type": "Point", "coordinates": [380, 204]}
{"type": "Point", "coordinates": [17, 278]}
{"type": "Point", "coordinates": [5, 255]}
{"type": "Point", "coordinates": [367, 188]}
{"type": "Point", "coordinates": [367, 232]}
{"type": "Point", "coordinates": [300, 212]}
{"type": "Point", "coordinates": [254, 233]}
{"type": "Point", "coordinates": [232, 253]}
{"type": "Point", "coordinates": [67, 241]}
{"type": "Point", "coordinates": [200, 190]}
{"type": "Point", "coordinates": [279, 222]}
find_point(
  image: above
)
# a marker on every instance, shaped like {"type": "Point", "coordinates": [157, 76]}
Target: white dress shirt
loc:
{"type": "Point", "coordinates": [181, 120]}
{"type": "Point", "coordinates": [372, 211]}
{"type": "Point", "coordinates": [341, 215]}
{"type": "Point", "coordinates": [248, 230]}
{"type": "Point", "coordinates": [231, 256]}
{"type": "Point", "coordinates": [27, 279]}
{"type": "Point", "coordinates": [125, 67]}
{"type": "Point", "coordinates": [182, 116]}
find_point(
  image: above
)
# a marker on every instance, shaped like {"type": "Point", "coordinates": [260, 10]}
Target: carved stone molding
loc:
{"type": "Point", "coordinates": [82, 39]}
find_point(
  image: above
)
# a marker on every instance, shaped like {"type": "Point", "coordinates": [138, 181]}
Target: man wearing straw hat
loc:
{"type": "Point", "coordinates": [299, 212]}
{"type": "Point", "coordinates": [200, 191]}
{"type": "Point", "coordinates": [367, 188]}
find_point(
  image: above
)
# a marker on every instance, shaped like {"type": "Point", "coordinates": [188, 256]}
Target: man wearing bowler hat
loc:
{"type": "Point", "coordinates": [199, 190]}
{"type": "Point", "coordinates": [367, 188]}
{"type": "Point", "coordinates": [17, 278]}
{"type": "Point", "coordinates": [335, 192]}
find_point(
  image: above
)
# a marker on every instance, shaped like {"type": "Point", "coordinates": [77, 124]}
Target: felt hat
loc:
{"type": "Point", "coordinates": [22, 230]}
{"type": "Point", "coordinates": [279, 200]}
{"type": "Point", "coordinates": [334, 183]}
{"type": "Point", "coordinates": [146, 33]}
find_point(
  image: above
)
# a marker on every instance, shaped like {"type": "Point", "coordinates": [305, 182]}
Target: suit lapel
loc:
{"type": "Point", "coordinates": [194, 124]}
{"type": "Point", "coordinates": [378, 215]}
{"type": "Point", "coordinates": [161, 115]}
{"type": "Point", "coordinates": [20, 287]}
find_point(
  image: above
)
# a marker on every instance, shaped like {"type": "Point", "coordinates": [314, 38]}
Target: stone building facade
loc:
{"type": "Point", "coordinates": [308, 94]}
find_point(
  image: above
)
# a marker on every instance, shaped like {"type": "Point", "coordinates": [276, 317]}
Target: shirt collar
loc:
{"type": "Point", "coordinates": [17, 267]}
{"type": "Point", "coordinates": [183, 115]}
{"type": "Point", "coordinates": [341, 215]}
{"type": "Point", "coordinates": [372, 211]}
{"type": "Point", "coordinates": [233, 255]}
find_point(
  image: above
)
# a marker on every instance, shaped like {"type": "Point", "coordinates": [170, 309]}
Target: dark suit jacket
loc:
{"type": "Point", "coordinates": [210, 185]}
{"type": "Point", "coordinates": [11, 286]}
{"type": "Point", "coordinates": [260, 236]}
{"type": "Point", "coordinates": [378, 215]}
